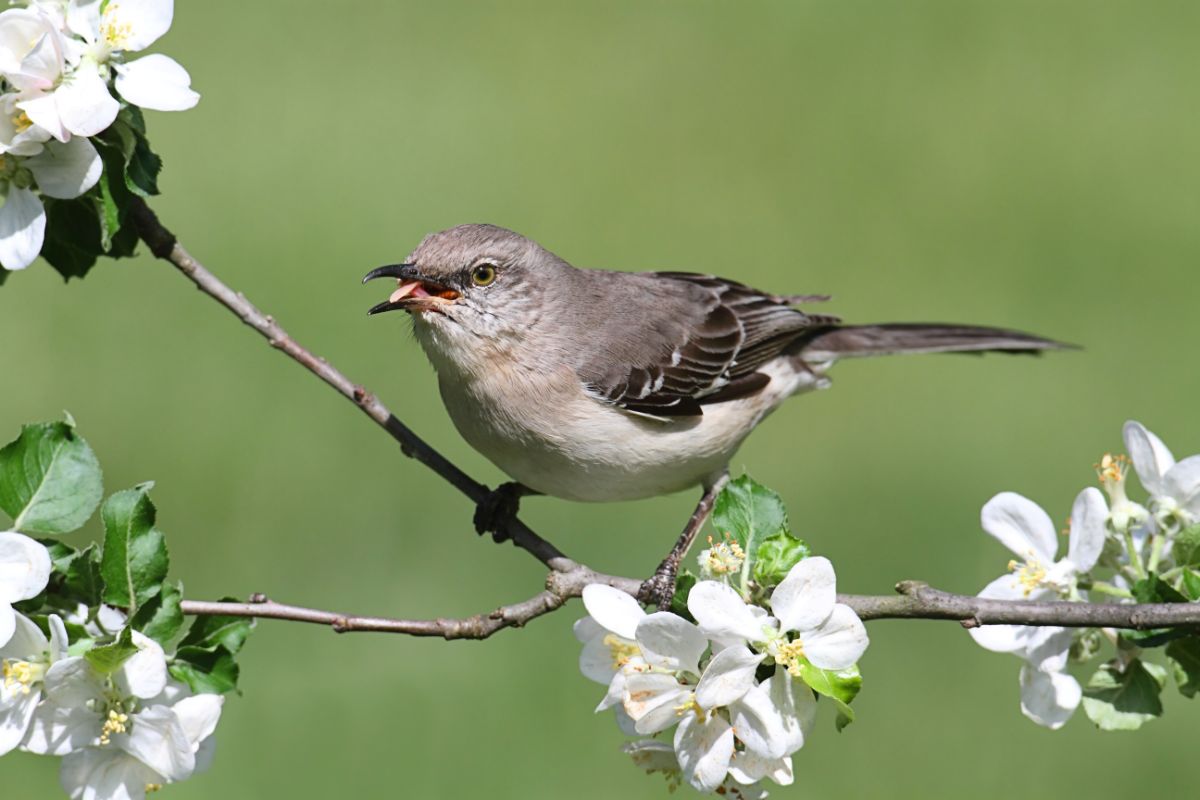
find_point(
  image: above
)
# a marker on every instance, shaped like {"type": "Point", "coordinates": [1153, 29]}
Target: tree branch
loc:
{"type": "Point", "coordinates": [567, 578]}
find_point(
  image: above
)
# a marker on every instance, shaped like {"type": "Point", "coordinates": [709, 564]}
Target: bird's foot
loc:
{"type": "Point", "coordinates": [494, 512]}
{"type": "Point", "coordinates": [659, 589]}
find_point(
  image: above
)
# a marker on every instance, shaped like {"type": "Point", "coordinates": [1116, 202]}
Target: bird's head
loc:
{"type": "Point", "coordinates": [471, 286]}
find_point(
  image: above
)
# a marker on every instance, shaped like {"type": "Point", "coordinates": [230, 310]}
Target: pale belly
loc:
{"type": "Point", "coordinates": [559, 441]}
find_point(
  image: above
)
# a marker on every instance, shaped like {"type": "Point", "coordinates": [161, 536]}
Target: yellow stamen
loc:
{"type": "Point", "coordinates": [21, 122]}
{"type": "Point", "coordinates": [116, 723]}
{"type": "Point", "coordinates": [789, 654]}
{"type": "Point", "coordinates": [1029, 573]}
{"type": "Point", "coordinates": [153, 787]}
{"type": "Point", "coordinates": [622, 651]}
{"type": "Point", "coordinates": [114, 32]}
{"type": "Point", "coordinates": [690, 705]}
{"type": "Point", "coordinates": [22, 673]}
{"type": "Point", "coordinates": [1112, 469]}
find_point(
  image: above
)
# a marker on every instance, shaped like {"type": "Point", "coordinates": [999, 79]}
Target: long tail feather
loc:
{"type": "Point", "coordinates": [825, 344]}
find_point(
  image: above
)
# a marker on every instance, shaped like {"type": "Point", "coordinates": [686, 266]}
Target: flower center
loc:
{"type": "Point", "coordinates": [1030, 574]}
{"type": "Point", "coordinates": [117, 722]}
{"type": "Point", "coordinates": [789, 654]}
{"type": "Point", "coordinates": [23, 674]}
{"type": "Point", "coordinates": [690, 705]}
{"type": "Point", "coordinates": [114, 32]}
{"type": "Point", "coordinates": [21, 122]}
{"type": "Point", "coordinates": [622, 651]}
{"type": "Point", "coordinates": [722, 558]}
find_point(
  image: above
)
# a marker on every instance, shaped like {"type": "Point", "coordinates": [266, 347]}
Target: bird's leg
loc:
{"type": "Point", "coordinates": [500, 506]}
{"type": "Point", "coordinates": [660, 588]}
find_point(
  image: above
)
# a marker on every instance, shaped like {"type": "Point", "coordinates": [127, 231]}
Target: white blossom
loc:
{"type": "Point", "coordinates": [1174, 486]}
{"type": "Point", "coordinates": [24, 573]}
{"type": "Point", "coordinates": [23, 665]}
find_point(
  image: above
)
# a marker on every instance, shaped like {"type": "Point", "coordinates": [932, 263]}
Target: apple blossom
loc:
{"type": "Point", "coordinates": [24, 572]}
{"type": "Point", "coordinates": [24, 662]}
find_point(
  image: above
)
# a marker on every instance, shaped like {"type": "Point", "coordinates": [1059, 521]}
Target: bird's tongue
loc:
{"type": "Point", "coordinates": [406, 289]}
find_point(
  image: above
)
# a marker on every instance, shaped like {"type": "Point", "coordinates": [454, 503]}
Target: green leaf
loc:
{"type": "Point", "coordinates": [49, 479]}
{"type": "Point", "coordinates": [211, 632]}
{"type": "Point", "coordinates": [76, 576]}
{"type": "Point", "coordinates": [1186, 548]}
{"type": "Point", "coordinates": [776, 556]}
{"type": "Point", "coordinates": [683, 586]}
{"type": "Point", "coordinates": [1153, 589]}
{"type": "Point", "coordinates": [213, 671]}
{"type": "Point", "coordinates": [1184, 658]}
{"type": "Point", "coordinates": [840, 686]}
{"type": "Point", "coordinates": [72, 239]}
{"type": "Point", "coordinates": [108, 658]}
{"type": "Point", "coordinates": [141, 175]}
{"type": "Point", "coordinates": [3, 275]}
{"type": "Point", "coordinates": [749, 512]}
{"type": "Point", "coordinates": [1191, 584]}
{"type": "Point", "coordinates": [135, 555]}
{"type": "Point", "coordinates": [161, 618]}
{"type": "Point", "coordinates": [1119, 699]}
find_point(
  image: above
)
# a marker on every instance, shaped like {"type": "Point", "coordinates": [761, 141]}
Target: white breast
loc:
{"type": "Point", "coordinates": [545, 431]}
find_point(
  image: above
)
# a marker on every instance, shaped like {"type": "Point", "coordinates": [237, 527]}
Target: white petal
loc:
{"type": "Point", "coordinates": [758, 723]}
{"type": "Point", "coordinates": [83, 18]}
{"type": "Point", "coordinates": [43, 112]}
{"type": "Point", "coordinates": [839, 642]}
{"type": "Point", "coordinates": [1048, 698]}
{"type": "Point", "coordinates": [8, 622]}
{"type": "Point", "coordinates": [652, 755]}
{"type": "Point", "coordinates": [156, 82]}
{"type": "Point", "coordinates": [624, 722]}
{"type": "Point", "coordinates": [728, 676]}
{"type": "Point", "coordinates": [723, 614]}
{"type": "Point", "coordinates": [16, 711]}
{"type": "Point", "coordinates": [59, 640]}
{"type": "Point", "coordinates": [22, 229]}
{"type": "Point", "coordinates": [24, 564]}
{"type": "Point", "coordinates": [670, 642]}
{"type": "Point", "coordinates": [157, 739]}
{"type": "Point", "coordinates": [704, 749]}
{"type": "Point", "coordinates": [56, 731]}
{"type": "Point", "coordinates": [596, 661]}
{"type": "Point", "coordinates": [587, 629]}
{"type": "Point", "coordinates": [652, 699]}
{"type": "Point", "coordinates": [26, 641]}
{"type": "Point", "coordinates": [1047, 648]}
{"type": "Point", "coordinates": [1182, 482]}
{"type": "Point", "coordinates": [614, 697]}
{"type": "Point", "coordinates": [806, 596]}
{"type": "Point", "coordinates": [72, 682]}
{"type": "Point", "coordinates": [147, 20]}
{"type": "Point", "coordinates": [1021, 525]}
{"type": "Point", "coordinates": [748, 767]}
{"type": "Point", "coordinates": [199, 715]}
{"type": "Point", "coordinates": [613, 609]}
{"type": "Point", "coordinates": [1088, 516]}
{"type": "Point", "coordinates": [105, 774]}
{"type": "Point", "coordinates": [1151, 458]}
{"type": "Point", "coordinates": [66, 170]}
{"type": "Point", "coordinates": [797, 707]}
{"type": "Point", "coordinates": [144, 675]}
{"type": "Point", "coordinates": [84, 103]}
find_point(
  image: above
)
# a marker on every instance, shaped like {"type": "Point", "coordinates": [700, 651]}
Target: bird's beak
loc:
{"type": "Point", "coordinates": [415, 291]}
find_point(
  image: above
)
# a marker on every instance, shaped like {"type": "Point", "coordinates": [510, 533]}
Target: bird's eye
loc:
{"type": "Point", "coordinates": [483, 274]}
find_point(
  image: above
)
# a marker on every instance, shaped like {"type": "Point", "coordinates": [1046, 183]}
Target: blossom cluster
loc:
{"type": "Point", "coordinates": [1151, 552]}
{"type": "Point", "coordinates": [65, 75]}
{"type": "Point", "coordinates": [736, 681]}
{"type": "Point", "coordinates": [122, 731]}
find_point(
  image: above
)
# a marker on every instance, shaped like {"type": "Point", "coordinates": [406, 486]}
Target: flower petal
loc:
{"type": "Point", "coordinates": [158, 740]}
{"type": "Point", "coordinates": [839, 642]}
{"type": "Point", "coordinates": [703, 750]}
{"type": "Point", "coordinates": [16, 711]}
{"type": "Point", "coordinates": [66, 170]}
{"type": "Point", "coordinates": [24, 564]}
{"type": "Point", "coordinates": [147, 20]}
{"type": "Point", "coordinates": [586, 629]}
{"type": "Point", "coordinates": [26, 642]}
{"type": "Point", "coordinates": [1088, 516]}
{"type": "Point", "coordinates": [144, 674]}
{"type": "Point", "coordinates": [108, 774]}
{"type": "Point", "coordinates": [1047, 648]}
{"type": "Point", "coordinates": [722, 614]}
{"type": "Point", "coordinates": [22, 229]}
{"type": "Point", "coordinates": [199, 715]}
{"type": "Point", "coordinates": [758, 724]}
{"type": "Point", "coordinates": [749, 767]}
{"type": "Point", "coordinates": [59, 641]}
{"type": "Point", "coordinates": [596, 661]}
{"type": "Point", "coordinates": [613, 609]}
{"type": "Point", "coordinates": [43, 112]}
{"type": "Point", "coordinates": [156, 82]}
{"type": "Point", "coordinates": [670, 642]}
{"type": "Point", "coordinates": [728, 676]}
{"type": "Point", "coordinates": [806, 596]}
{"type": "Point", "coordinates": [1048, 698]}
{"type": "Point", "coordinates": [1021, 525]}
{"type": "Point", "coordinates": [84, 103]}
{"type": "Point", "coordinates": [56, 731]}
{"type": "Point", "coordinates": [1182, 482]}
{"type": "Point", "coordinates": [1151, 458]}
{"type": "Point", "coordinates": [651, 700]}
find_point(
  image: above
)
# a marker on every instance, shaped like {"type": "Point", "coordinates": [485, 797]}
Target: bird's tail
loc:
{"type": "Point", "coordinates": [847, 341]}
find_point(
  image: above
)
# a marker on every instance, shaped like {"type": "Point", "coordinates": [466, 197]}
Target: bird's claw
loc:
{"type": "Point", "coordinates": [493, 512]}
{"type": "Point", "coordinates": [659, 589]}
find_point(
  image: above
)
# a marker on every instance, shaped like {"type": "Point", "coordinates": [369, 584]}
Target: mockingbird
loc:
{"type": "Point", "coordinates": [595, 385]}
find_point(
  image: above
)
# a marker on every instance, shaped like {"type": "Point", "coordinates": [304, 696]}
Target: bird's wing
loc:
{"type": "Point", "coordinates": [701, 340]}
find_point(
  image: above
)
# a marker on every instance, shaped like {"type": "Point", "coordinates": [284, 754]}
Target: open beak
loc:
{"type": "Point", "coordinates": [414, 292]}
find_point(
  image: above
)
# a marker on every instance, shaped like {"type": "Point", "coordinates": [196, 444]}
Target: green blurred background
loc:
{"type": "Point", "coordinates": [1029, 164]}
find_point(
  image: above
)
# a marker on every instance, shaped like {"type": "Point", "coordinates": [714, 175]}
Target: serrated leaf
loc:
{"type": "Point", "coordinates": [1117, 699]}
{"type": "Point", "coordinates": [49, 479]}
{"type": "Point", "coordinates": [81, 580]}
{"type": "Point", "coordinates": [775, 558]}
{"type": "Point", "coordinates": [134, 562]}
{"type": "Point", "coordinates": [211, 632]}
{"type": "Point", "coordinates": [840, 686]}
{"type": "Point", "coordinates": [161, 618]}
{"type": "Point", "coordinates": [212, 671]}
{"type": "Point", "coordinates": [107, 659]}
{"type": "Point", "coordinates": [72, 238]}
{"type": "Point", "coordinates": [1184, 657]}
{"type": "Point", "coordinates": [749, 512]}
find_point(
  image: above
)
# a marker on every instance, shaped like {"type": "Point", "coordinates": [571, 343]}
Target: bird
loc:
{"type": "Point", "coordinates": [598, 385]}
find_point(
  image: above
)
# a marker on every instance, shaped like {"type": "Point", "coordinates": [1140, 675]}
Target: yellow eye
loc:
{"type": "Point", "coordinates": [483, 275]}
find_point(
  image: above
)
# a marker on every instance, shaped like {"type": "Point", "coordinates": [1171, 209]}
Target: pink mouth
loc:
{"type": "Point", "coordinates": [416, 290]}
